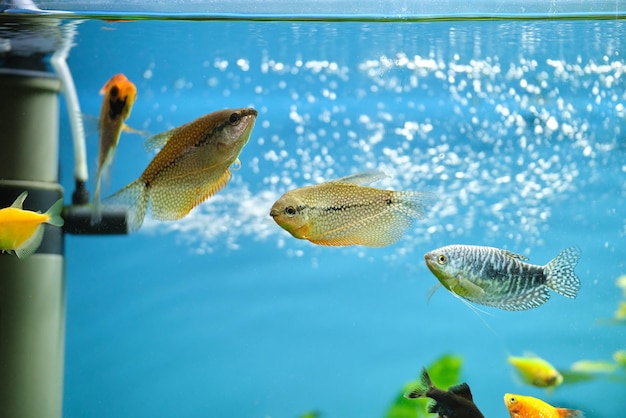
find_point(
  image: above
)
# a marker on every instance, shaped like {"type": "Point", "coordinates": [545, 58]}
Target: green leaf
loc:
{"type": "Point", "coordinates": [311, 414]}
{"type": "Point", "coordinates": [444, 372]}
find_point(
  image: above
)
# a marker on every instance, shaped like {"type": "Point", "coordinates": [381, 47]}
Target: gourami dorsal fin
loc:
{"type": "Point", "coordinates": [471, 289]}
{"type": "Point", "coordinates": [514, 255]}
{"type": "Point", "coordinates": [362, 179]}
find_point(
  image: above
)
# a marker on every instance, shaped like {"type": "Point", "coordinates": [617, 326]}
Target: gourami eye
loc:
{"type": "Point", "coordinates": [114, 91]}
{"type": "Point", "coordinates": [234, 119]}
{"type": "Point", "coordinates": [290, 211]}
{"type": "Point", "coordinates": [442, 259]}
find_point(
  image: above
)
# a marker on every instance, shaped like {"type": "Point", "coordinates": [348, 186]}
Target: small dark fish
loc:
{"type": "Point", "coordinates": [456, 402]}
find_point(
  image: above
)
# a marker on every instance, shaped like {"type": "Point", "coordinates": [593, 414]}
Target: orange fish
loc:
{"type": "Point", "coordinates": [21, 231]}
{"type": "Point", "coordinates": [193, 164]}
{"type": "Point", "coordinates": [119, 97]}
{"type": "Point", "coordinates": [528, 407]}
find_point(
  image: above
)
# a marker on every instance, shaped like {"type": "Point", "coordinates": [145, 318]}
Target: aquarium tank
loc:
{"type": "Point", "coordinates": [498, 126]}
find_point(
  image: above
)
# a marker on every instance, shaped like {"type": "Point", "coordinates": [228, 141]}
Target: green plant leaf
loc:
{"type": "Point", "coordinates": [444, 372]}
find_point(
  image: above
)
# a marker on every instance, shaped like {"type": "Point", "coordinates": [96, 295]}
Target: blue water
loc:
{"type": "Point", "coordinates": [518, 126]}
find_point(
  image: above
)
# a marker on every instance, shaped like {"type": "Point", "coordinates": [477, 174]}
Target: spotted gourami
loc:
{"type": "Point", "coordinates": [192, 165]}
{"type": "Point", "coordinates": [456, 402]}
{"type": "Point", "coordinates": [119, 97]}
{"type": "Point", "coordinates": [536, 371]}
{"type": "Point", "coordinates": [494, 277]}
{"type": "Point", "coordinates": [529, 407]}
{"type": "Point", "coordinates": [21, 231]}
{"type": "Point", "coordinates": [347, 212]}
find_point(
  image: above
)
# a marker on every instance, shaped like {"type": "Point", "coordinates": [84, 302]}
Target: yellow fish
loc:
{"type": "Point", "coordinates": [594, 366]}
{"type": "Point", "coordinates": [528, 407]}
{"type": "Point", "coordinates": [536, 371]}
{"type": "Point", "coordinates": [119, 97]}
{"type": "Point", "coordinates": [192, 165]}
{"type": "Point", "coordinates": [620, 313]}
{"type": "Point", "coordinates": [347, 212]}
{"type": "Point", "coordinates": [621, 283]}
{"type": "Point", "coordinates": [620, 357]}
{"type": "Point", "coordinates": [21, 231]}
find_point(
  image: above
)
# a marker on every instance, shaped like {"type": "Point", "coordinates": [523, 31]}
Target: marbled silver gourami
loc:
{"type": "Point", "coordinates": [495, 277]}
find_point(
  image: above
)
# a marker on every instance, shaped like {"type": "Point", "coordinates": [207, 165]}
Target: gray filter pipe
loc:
{"type": "Point", "coordinates": [32, 290]}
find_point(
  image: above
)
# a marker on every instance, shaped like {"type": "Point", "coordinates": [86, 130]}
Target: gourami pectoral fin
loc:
{"type": "Point", "coordinates": [514, 255]}
{"type": "Point", "coordinates": [471, 289]}
{"type": "Point", "coordinates": [432, 291]}
{"type": "Point", "coordinates": [134, 197]}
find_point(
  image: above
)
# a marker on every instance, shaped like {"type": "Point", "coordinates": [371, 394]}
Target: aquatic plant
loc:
{"type": "Point", "coordinates": [311, 414]}
{"type": "Point", "coordinates": [586, 370]}
{"type": "Point", "coordinates": [444, 372]}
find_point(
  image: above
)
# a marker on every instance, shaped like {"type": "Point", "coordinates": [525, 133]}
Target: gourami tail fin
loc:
{"type": "Point", "coordinates": [560, 275]}
{"type": "Point", "coordinates": [414, 204]}
{"type": "Point", "coordinates": [135, 198]}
